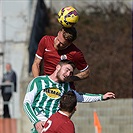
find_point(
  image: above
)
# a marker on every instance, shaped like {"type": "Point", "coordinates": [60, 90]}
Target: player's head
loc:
{"type": "Point", "coordinates": [69, 34]}
{"type": "Point", "coordinates": [65, 38]}
{"type": "Point", "coordinates": [68, 102]}
{"type": "Point", "coordinates": [64, 69]}
{"type": "Point", "coordinates": [8, 67]}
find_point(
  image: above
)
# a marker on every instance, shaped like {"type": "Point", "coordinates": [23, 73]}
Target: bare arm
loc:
{"type": "Point", "coordinates": [36, 67]}
{"type": "Point", "coordinates": [79, 76]}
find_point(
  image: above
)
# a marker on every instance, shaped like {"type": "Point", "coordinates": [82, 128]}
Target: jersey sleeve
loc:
{"type": "Point", "coordinates": [87, 97]}
{"type": "Point", "coordinates": [41, 47]}
{"type": "Point", "coordinates": [80, 61]}
{"type": "Point", "coordinates": [28, 100]}
{"type": "Point", "coordinates": [66, 127]}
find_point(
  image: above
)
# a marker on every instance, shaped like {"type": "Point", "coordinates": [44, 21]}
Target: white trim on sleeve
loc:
{"type": "Point", "coordinates": [38, 56]}
{"type": "Point", "coordinates": [84, 69]}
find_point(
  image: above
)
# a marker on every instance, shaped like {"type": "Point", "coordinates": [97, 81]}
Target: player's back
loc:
{"type": "Point", "coordinates": [59, 123]}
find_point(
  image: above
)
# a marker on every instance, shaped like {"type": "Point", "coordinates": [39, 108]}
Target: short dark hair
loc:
{"type": "Point", "coordinates": [69, 34]}
{"type": "Point", "coordinates": [68, 102]}
{"type": "Point", "coordinates": [67, 62]}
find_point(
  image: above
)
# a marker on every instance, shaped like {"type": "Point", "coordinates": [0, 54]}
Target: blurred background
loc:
{"type": "Point", "coordinates": [105, 38]}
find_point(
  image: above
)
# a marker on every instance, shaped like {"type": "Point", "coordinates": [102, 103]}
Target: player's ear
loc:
{"type": "Point", "coordinates": [58, 67]}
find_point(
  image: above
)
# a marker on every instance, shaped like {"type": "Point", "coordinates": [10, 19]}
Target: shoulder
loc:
{"type": "Point", "coordinates": [37, 81]}
{"type": "Point", "coordinates": [67, 125]}
{"type": "Point", "coordinates": [75, 50]}
{"type": "Point", "coordinates": [13, 72]}
{"type": "Point", "coordinates": [39, 78]}
{"type": "Point", "coordinates": [46, 41]}
{"type": "Point", "coordinates": [74, 47]}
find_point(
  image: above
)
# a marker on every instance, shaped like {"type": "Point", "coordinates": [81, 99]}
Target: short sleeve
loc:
{"type": "Point", "coordinates": [80, 61]}
{"type": "Point", "coordinates": [41, 47]}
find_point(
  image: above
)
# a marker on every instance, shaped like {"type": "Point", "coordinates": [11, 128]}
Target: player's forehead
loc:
{"type": "Point", "coordinates": [60, 36]}
{"type": "Point", "coordinates": [67, 66]}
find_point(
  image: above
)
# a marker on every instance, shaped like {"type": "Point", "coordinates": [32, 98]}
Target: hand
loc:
{"type": "Point", "coordinates": [108, 95]}
{"type": "Point", "coordinates": [39, 126]}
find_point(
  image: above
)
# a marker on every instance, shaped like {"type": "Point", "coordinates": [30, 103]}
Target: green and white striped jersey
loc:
{"type": "Point", "coordinates": [43, 97]}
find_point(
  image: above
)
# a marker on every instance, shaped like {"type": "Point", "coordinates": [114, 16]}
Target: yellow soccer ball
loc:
{"type": "Point", "coordinates": [68, 16]}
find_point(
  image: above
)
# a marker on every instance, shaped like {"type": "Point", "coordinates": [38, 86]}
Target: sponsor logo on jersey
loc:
{"type": "Point", "coordinates": [47, 50]}
{"type": "Point", "coordinates": [63, 57]}
{"type": "Point", "coordinates": [53, 93]}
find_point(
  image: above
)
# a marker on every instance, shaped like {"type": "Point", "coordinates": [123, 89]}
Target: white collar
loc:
{"type": "Point", "coordinates": [62, 113]}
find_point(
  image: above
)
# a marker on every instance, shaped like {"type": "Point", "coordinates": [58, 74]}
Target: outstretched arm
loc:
{"type": "Point", "coordinates": [88, 98]}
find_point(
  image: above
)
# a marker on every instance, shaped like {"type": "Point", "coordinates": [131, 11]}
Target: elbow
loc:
{"type": "Point", "coordinates": [86, 74]}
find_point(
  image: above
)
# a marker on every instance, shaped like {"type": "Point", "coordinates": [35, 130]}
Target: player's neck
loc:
{"type": "Point", "coordinates": [65, 113]}
{"type": "Point", "coordinates": [53, 77]}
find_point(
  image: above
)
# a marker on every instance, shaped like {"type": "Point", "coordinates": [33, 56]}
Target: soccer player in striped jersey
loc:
{"type": "Point", "coordinates": [44, 93]}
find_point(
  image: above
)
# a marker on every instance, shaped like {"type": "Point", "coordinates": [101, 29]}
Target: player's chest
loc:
{"type": "Point", "coordinates": [54, 92]}
{"type": "Point", "coordinates": [57, 55]}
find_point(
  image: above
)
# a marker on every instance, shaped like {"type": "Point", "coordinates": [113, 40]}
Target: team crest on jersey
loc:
{"type": "Point", "coordinates": [63, 57]}
{"type": "Point", "coordinates": [52, 93]}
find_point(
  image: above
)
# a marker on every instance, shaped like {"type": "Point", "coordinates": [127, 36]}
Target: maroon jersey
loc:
{"type": "Point", "coordinates": [52, 56]}
{"type": "Point", "coordinates": [59, 123]}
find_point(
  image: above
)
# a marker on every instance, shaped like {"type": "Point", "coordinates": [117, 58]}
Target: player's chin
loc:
{"type": "Point", "coordinates": [62, 79]}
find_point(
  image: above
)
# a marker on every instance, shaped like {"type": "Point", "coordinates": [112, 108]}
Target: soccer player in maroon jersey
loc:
{"type": "Point", "coordinates": [53, 49]}
{"type": "Point", "coordinates": [60, 121]}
